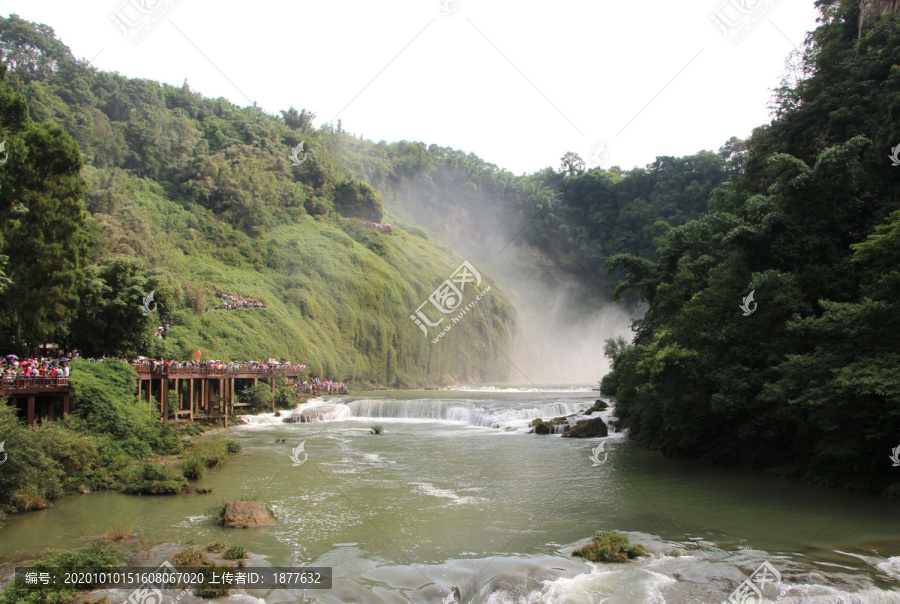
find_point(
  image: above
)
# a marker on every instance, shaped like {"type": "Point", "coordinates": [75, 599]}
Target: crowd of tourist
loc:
{"type": "Point", "coordinates": [230, 302]}
{"type": "Point", "coordinates": [386, 228]}
{"type": "Point", "coordinates": [162, 365]}
{"type": "Point", "coordinates": [319, 386]}
{"type": "Point", "coordinates": [13, 368]}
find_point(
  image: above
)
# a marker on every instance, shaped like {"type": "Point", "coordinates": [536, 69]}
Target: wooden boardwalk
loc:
{"type": "Point", "coordinates": [203, 393]}
{"type": "Point", "coordinates": [39, 397]}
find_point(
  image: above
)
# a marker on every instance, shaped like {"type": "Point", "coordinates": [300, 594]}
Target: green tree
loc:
{"type": "Point", "coordinates": [42, 225]}
{"type": "Point", "coordinates": [358, 199]}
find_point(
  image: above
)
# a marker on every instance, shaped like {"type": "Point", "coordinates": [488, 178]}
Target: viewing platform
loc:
{"type": "Point", "coordinates": [38, 397]}
{"type": "Point", "coordinates": [206, 392]}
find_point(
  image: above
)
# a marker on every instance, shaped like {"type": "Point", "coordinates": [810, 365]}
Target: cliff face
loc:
{"type": "Point", "coordinates": [872, 10]}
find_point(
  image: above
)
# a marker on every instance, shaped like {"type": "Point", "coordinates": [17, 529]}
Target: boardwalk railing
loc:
{"type": "Point", "coordinates": [262, 371]}
{"type": "Point", "coordinates": [33, 382]}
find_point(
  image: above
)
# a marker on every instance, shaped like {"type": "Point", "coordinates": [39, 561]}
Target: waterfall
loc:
{"type": "Point", "coordinates": [466, 412]}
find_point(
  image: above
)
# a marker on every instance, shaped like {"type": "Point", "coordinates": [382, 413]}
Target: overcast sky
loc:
{"type": "Point", "coordinates": [517, 83]}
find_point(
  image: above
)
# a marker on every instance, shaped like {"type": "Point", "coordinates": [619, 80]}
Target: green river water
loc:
{"type": "Point", "coordinates": [456, 493]}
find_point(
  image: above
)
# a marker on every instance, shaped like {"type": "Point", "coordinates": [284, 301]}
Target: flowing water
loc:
{"type": "Point", "coordinates": [454, 492]}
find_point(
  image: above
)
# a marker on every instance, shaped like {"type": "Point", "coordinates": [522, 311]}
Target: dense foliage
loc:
{"type": "Point", "coordinates": [107, 429]}
{"type": "Point", "coordinates": [809, 383]}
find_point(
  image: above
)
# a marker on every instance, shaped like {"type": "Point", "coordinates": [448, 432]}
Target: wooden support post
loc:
{"type": "Point", "coordinates": [255, 381]}
{"type": "Point", "coordinates": [203, 396]}
{"type": "Point", "coordinates": [191, 397]}
{"type": "Point", "coordinates": [30, 417]}
{"type": "Point", "coordinates": [177, 396]}
{"type": "Point", "coordinates": [273, 393]}
{"type": "Point", "coordinates": [221, 394]}
{"type": "Point", "coordinates": [164, 405]}
{"type": "Point", "coordinates": [231, 395]}
{"type": "Point", "coordinates": [65, 405]}
{"type": "Point", "coordinates": [51, 410]}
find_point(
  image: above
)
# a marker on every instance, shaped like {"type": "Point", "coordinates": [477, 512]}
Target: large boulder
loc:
{"type": "Point", "coordinates": [246, 514]}
{"type": "Point", "coordinates": [591, 428]}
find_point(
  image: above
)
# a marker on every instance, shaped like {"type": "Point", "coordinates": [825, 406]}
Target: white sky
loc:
{"type": "Point", "coordinates": [590, 67]}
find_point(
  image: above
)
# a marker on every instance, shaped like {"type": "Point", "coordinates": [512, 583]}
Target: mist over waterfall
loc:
{"type": "Point", "coordinates": [561, 323]}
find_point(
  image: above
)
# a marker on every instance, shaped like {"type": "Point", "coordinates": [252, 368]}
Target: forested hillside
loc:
{"type": "Point", "coordinates": [116, 187]}
{"type": "Point", "coordinates": [809, 382]}
{"type": "Point", "coordinates": [187, 196]}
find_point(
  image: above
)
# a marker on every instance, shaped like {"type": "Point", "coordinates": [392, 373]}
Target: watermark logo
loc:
{"type": "Point", "coordinates": [752, 590]}
{"type": "Point", "coordinates": [448, 7]}
{"type": "Point", "coordinates": [145, 307]}
{"type": "Point", "coordinates": [148, 594]}
{"type": "Point", "coordinates": [895, 457]}
{"type": "Point", "coordinates": [735, 18]}
{"type": "Point", "coordinates": [296, 160]}
{"type": "Point", "coordinates": [295, 454]}
{"type": "Point", "coordinates": [448, 298]}
{"type": "Point", "coordinates": [746, 305]}
{"type": "Point", "coordinates": [600, 153]}
{"type": "Point", "coordinates": [135, 18]}
{"type": "Point", "coordinates": [595, 455]}
{"type": "Point", "coordinates": [895, 155]}
{"type": "Point", "coordinates": [6, 153]}
{"type": "Point", "coordinates": [5, 456]}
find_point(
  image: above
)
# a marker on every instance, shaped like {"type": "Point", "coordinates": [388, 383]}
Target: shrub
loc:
{"type": "Point", "coordinates": [210, 590]}
{"type": "Point", "coordinates": [188, 557]}
{"type": "Point", "coordinates": [377, 429]}
{"type": "Point", "coordinates": [259, 396]}
{"type": "Point", "coordinates": [610, 546]}
{"type": "Point", "coordinates": [193, 467]}
{"type": "Point", "coordinates": [207, 453]}
{"type": "Point", "coordinates": [233, 446]}
{"type": "Point", "coordinates": [217, 513]}
{"type": "Point", "coordinates": [149, 478]}
{"type": "Point", "coordinates": [235, 552]}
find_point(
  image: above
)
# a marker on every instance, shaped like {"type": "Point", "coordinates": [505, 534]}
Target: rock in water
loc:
{"type": "Point", "coordinates": [246, 514]}
{"type": "Point", "coordinates": [591, 428]}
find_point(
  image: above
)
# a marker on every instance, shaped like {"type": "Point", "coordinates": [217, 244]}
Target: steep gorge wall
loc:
{"type": "Point", "coordinates": [872, 10]}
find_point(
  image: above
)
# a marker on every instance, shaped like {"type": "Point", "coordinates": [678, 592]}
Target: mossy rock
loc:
{"type": "Point", "coordinates": [598, 406]}
{"type": "Point", "coordinates": [542, 428]}
{"type": "Point", "coordinates": [591, 428]}
{"type": "Point", "coordinates": [610, 546]}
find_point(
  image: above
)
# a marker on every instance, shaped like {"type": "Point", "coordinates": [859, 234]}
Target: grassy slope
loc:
{"type": "Point", "coordinates": [339, 295]}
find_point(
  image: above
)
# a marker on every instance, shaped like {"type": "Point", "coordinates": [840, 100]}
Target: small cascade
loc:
{"type": "Point", "coordinates": [515, 416]}
{"type": "Point", "coordinates": [473, 413]}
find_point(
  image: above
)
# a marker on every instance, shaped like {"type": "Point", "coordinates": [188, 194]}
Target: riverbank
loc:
{"type": "Point", "coordinates": [110, 441]}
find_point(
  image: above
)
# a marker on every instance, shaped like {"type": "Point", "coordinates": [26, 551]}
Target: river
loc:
{"type": "Point", "coordinates": [454, 492]}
